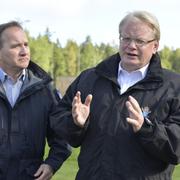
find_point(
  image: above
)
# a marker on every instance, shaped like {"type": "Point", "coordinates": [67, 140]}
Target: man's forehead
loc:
{"type": "Point", "coordinates": [14, 33]}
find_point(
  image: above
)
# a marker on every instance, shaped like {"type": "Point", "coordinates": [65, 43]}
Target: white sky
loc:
{"type": "Point", "coordinates": [75, 19]}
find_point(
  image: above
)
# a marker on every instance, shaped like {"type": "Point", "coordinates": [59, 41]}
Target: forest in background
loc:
{"type": "Point", "coordinates": [73, 58]}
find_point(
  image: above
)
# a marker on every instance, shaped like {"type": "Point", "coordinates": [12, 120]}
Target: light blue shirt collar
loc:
{"type": "Point", "coordinates": [3, 75]}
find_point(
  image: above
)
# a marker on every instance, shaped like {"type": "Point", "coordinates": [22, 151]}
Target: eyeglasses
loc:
{"type": "Point", "coordinates": [138, 42]}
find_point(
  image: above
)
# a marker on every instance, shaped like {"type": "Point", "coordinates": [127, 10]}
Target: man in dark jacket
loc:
{"type": "Point", "coordinates": [125, 113]}
{"type": "Point", "coordinates": [27, 100]}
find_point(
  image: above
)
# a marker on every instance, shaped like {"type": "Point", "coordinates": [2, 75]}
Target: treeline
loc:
{"type": "Point", "coordinates": [71, 59]}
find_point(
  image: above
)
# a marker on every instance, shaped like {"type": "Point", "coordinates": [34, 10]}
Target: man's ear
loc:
{"type": "Point", "coordinates": [156, 46]}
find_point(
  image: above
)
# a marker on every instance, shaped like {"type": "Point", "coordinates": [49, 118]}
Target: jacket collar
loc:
{"type": "Point", "coordinates": [109, 69]}
{"type": "Point", "coordinates": [36, 77]}
{"type": "Point", "coordinates": [38, 72]}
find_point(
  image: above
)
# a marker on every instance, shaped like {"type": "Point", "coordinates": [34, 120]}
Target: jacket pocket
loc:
{"type": "Point", "coordinates": [19, 146]}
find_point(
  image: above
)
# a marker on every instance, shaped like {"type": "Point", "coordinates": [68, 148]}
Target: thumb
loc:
{"type": "Point", "coordinates": [88, 100]}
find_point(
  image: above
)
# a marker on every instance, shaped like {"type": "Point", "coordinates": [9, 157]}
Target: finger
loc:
{"type": "Point", "coordinates": [74, 107]}
{"type": "Point", "coordinates": [38, 172]}
{"type": "Point", "coordinates": [75, 112]}
{"type": "Point", "coordinates": [77, 98]}
{"type": "Point", "coordinates": [134, 104]}
{"type": "Point", "coordinates": [133, 122]}
{"type": "Point", "coordinates": [88, 100]}
{"type": "Point", "coordinates": [42, 176]}
{"type": "Point", "coordinates": [78, 95]}
{"type": "Point", "coordinates": [132, 112]}
{"type": "Point", "coordinates": [39, 178]}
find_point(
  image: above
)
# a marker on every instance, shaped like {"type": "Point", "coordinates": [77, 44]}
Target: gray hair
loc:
{"type": "Point", "coordinates": [146, 17]}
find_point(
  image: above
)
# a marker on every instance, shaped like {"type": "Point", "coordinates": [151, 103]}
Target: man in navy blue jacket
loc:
{"type": "Point", "coordinates": [27, 100]}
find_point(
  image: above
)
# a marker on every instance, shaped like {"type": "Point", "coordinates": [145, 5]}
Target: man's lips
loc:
{"type": "Point", "coordinates": [24, 59]}
{"type": "Point", "coordinates": [132, 54]}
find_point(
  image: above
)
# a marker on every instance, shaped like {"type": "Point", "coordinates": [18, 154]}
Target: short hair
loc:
{"type": "Point", "coordinates": [5, 26]}
{"type": "Point", "coordinates": [146, 17]}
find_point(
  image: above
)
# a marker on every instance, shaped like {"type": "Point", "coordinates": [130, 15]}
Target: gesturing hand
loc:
{"type": "Point", "coordinates": [80, 111]}
{"type": "Point", "coordinates": [135, 118]}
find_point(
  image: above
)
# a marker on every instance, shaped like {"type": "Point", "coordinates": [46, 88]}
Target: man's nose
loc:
{"type": "Point", "coordinates": [24, 50]}
{"type": "Point", "coordinates": [132, 42]}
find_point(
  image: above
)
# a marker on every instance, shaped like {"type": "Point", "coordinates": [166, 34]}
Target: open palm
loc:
{"type": "Point", "coordinates": [80, 111]}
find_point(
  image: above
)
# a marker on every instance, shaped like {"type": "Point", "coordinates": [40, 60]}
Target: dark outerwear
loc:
{"type": "Point", "coordinates": [25, 127]}
{"type": "Point", "coordinates": [110, 150]}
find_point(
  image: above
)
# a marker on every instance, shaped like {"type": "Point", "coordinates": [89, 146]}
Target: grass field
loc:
{"type": "Point", "coordinates": [69, 169]}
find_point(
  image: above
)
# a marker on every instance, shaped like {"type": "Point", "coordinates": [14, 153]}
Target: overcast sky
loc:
{"type": "Point", "coordinates": [75, 19]}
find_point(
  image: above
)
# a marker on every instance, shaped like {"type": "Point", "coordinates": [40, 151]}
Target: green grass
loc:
{"type": "Point", "coordinates": [176, 174]}
{"type": "Point", "coordinates": [69, 169]}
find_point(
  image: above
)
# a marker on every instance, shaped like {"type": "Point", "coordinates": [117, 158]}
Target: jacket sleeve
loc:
{"type": "Point", "coordinates": [59, 149]}
{"type": "Point", "coordinates": [162, 139]}
{"type": "Point", "coordinates": [63, 122]}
